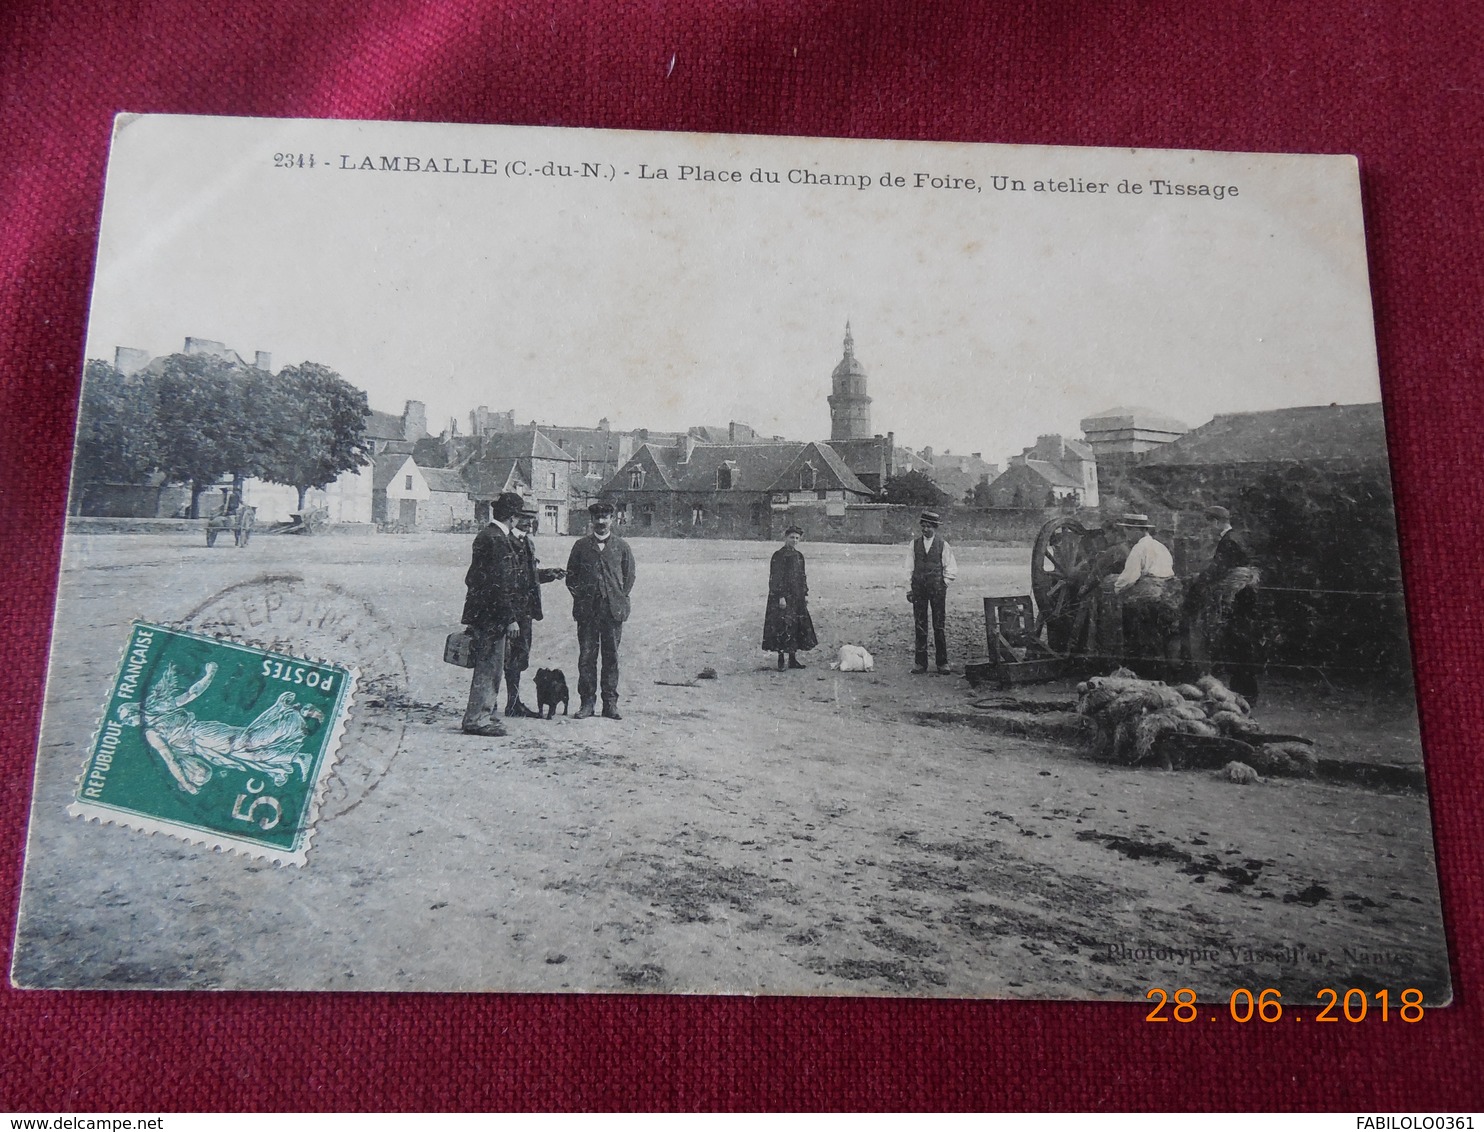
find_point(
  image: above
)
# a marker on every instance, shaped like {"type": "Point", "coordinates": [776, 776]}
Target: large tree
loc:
{"type": "Point", "coordinates": [211, 421]}
{"type": "Point", "coordinates": [318, 422]}
{"type": "Point", "coordinates": [914, 489]}
{"type": "Point", "coordinates": [115, 429]}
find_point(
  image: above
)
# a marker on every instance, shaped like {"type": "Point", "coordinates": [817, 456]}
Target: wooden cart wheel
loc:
{"type": "Point", "coordinates": [1056, 562]}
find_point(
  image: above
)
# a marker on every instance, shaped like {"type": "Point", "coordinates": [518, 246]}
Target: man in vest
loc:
{"type": "Point", "coordinates": [600, 574]}
{"type": "Point", "coordinates": [931, 567]}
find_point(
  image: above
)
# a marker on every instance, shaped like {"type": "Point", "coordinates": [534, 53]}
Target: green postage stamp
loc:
{"type": "Point", "coordinates": [216, 743]}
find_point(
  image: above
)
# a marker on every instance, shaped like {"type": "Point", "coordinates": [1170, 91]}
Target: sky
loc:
{"type": "Point", "coordinates": [984, 316]}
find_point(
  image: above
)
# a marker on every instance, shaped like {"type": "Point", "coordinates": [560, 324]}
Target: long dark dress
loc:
{"type": "Point", "coordinates": [791, 629]}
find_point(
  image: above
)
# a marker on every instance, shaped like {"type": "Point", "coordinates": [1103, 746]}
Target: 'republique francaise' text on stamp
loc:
{"type": "Point", "coordinates": [216, 743]}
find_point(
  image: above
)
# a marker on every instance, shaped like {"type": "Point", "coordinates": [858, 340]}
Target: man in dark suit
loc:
{"type": "Point", "coordinates": [600, 574]}
{"type": "Point", "coordinates": [531, 578]}
{"type": "Point", "coordinates": [491, 610]}
{"type": "Point", "coordinates": [1222, 600]}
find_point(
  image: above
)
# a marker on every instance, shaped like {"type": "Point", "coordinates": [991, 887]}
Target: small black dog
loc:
{"type": "Point", "coordinates": [551, 688]}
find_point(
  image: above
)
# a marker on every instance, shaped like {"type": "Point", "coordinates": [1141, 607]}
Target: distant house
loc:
{"type": "Point", "coordinates": [1125, 431]}
{"type": "Point", "coordinates": [957, 475]}
{"type": "Point", "coordinates": [1054, 470]}
{"type": "Point", "coordinates": [873, 459]}
{"type": "Point", "coordinates": [729, 490]}
{"type": "Point", "coordinates": [525, 462]}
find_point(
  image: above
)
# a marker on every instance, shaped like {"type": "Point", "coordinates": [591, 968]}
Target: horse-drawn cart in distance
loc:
{"type": "Point", "coordinates": [239, 519]}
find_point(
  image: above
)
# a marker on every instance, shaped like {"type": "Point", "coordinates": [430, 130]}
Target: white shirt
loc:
{"type": "Point", "coordinates": [950, 564]}
{"type": "Point", "coordinates": [1149, 558]}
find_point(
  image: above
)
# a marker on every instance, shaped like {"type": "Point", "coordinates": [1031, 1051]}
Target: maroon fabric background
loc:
{"type": "Point", "coordinates": [1399, 84]}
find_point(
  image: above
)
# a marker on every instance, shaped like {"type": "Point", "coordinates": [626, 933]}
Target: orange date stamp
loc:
{"type": "Point", "coordinates": [1266, 1005]}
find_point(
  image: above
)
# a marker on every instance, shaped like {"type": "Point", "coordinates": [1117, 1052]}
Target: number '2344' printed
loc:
{"type": "Point", "coordinates": [216, 743]}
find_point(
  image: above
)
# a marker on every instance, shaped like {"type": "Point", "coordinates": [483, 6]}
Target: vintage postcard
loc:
{"type": "Point", "coordinates": [515, 559]}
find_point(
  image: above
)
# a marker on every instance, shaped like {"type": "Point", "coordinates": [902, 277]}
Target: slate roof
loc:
{"type": "Point", "coordinates": [1053, 474]}
{"type": "Point", "coordinates": [385, 469]}
{"type": "Point", "coordinates": [1132, 416]}
{"type": "Point", "coordinates": [485, 479]}
{"type": "Point", "coordinates": [445, 479]}
{"type": "Point", "coordinates": [1308, 434]}
{"type": "Point", "coordinates": [758, 467]}
{"type": "Point", "coordinates": [1078, 448]}
{"type": "Point", "coordinates": [384, 426]}
{"type": "Point", "coordinates": [524, 443]}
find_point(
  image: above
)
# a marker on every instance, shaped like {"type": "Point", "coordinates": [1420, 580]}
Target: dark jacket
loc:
{"type": "Point", "coordinates": [493, 581]}
{"type": "Point", "coordinates": [790, 629]}
{"type": "Point", "coordinates": [600, 580]}
{"type": "Point", "coordinates": [529, 588]}
{"type": "Point", "coordinates": [1230, 553]}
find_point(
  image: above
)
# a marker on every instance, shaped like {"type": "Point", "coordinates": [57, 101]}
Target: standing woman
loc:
{"type": "Point", "coordinates": [787, 627]}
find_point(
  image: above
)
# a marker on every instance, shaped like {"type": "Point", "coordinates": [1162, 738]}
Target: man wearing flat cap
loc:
{"type": "Point", "coordinates": [1222, 603]}
{"type": "Point", "coordinates": [492, 613]}
{"type": "Point", "coordinates": [931, 567]}
{"type": "Point", "coordinates": [600, 574]}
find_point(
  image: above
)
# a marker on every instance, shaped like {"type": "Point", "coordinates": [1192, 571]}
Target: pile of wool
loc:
{"type": "Point", "coordinates": [1240, 773]}
{"type": "Point", "coordinates": [1286, 760]}
{"type": "Point", "coordinates": [1132, 715]}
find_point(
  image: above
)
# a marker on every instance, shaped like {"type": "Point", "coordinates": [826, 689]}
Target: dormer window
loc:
{"type": "Point", "coordinates": [807, 476]}
{"type": "Point", "coordinates": [636, 478]}
{"type": "Point", "coordinates": [726, 476]}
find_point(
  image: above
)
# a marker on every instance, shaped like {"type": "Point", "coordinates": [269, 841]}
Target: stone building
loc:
{"type": "Point", "coordinates": [1055, 470]}
{"type": "Point", "coordinates": [729, 490]}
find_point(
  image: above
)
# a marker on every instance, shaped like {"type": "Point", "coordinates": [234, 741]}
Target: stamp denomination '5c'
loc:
{"type": "Point", "coordinates": [216, 743]}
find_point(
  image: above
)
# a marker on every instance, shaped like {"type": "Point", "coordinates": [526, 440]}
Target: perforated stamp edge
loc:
{"type": "Point", "coordinates": [214, 839]}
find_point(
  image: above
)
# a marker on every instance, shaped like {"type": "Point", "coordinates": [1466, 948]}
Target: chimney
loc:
{"type": "Point", "coordinates": [263, 360]}
{"type": "Point", "coordinates": [603, 424]}
{"type": "Point", "coordinates": [414, 420]}
{"type": "Point", "coordinates": [978, 455]}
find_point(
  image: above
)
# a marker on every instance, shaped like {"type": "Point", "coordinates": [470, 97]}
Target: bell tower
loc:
{"type": "Point", "coordinates": [850, 408]}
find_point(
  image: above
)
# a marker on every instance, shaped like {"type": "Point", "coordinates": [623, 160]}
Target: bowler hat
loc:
{"type": "Point", "coordinates": [1137, 521]}
{"type": "Point", "coordinates": [793, 531]}
{"type": "Point", "coordinates": [929, 517]}
{"type": "Point", "coordinates": [507, 506]}
{"type": "Point", "coordinates": [599, 508]}
{"type": "Point", "coordinates": [1219, 513]}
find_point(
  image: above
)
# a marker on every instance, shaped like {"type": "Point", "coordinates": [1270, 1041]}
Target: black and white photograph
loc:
{"type": "Point", "coordinates": [765, 566]}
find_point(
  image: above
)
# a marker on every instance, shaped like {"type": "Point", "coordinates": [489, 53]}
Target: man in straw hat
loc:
{"type": "Point", "coordinates": [492, 613]}
{"type": "Point", "coordinates": [528, 608]}
{"type": "Point", "coordinates": [1151, 598]}
{"type": "Point", "coordinates": [600, 574]}
{"type": "Point", "coordinates": [931, 567]}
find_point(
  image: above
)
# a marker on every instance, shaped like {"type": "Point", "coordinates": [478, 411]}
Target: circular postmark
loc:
{"type": "Point", "coordinates": [321, 621]}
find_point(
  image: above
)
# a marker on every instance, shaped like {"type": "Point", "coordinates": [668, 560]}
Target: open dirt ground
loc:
{"type": "Point", "coordinates": [765, 832]}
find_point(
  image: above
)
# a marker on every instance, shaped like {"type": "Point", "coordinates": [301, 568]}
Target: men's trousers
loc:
{"type": "Point", "coordinates": [517, 656]}
{"type": "Point", "coordinates": [921, 607]}
{"type": "Point", "coordinates": [488, 651]}
{"type": "Point", "coordinates": [598, 634]}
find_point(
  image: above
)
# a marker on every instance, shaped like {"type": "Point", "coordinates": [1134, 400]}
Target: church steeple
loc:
{"type": "Point", "coordinates": [850, 407]}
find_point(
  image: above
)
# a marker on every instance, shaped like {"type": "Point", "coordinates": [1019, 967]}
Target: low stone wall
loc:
{"type": "Point", "coordinates": [101, 525]}
{"type": "Point", "coordinates": [879, 523]}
